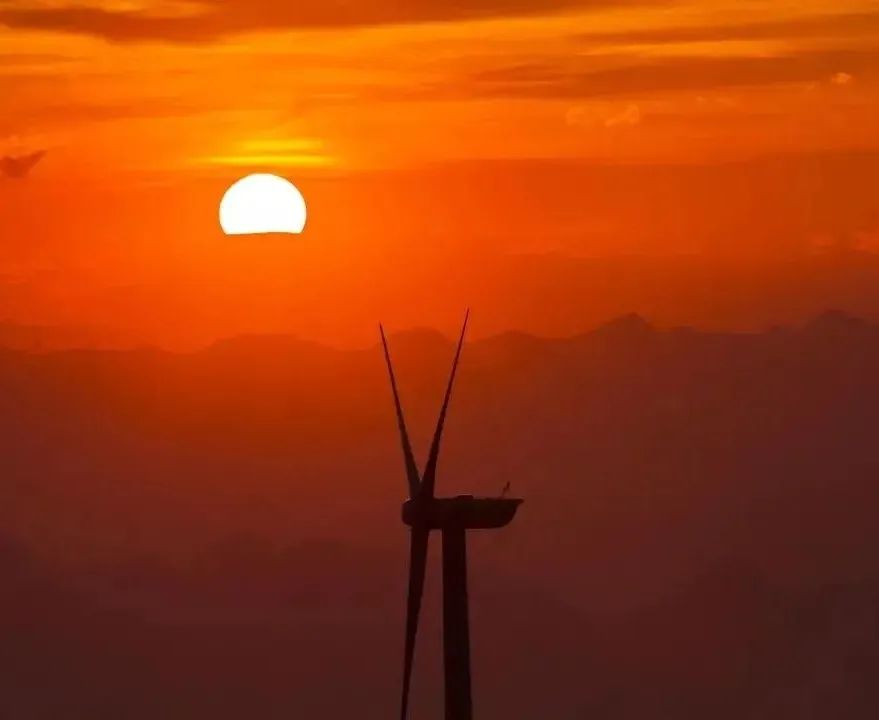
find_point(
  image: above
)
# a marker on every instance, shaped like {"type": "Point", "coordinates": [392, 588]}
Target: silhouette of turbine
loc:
{"type": "Point", "coordinates": [423, 512]}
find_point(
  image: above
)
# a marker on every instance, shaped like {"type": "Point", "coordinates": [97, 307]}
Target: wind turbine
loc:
{"type": "Point", "coordinates": [453, 516]}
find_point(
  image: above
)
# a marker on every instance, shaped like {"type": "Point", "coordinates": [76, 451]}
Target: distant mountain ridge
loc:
{"type": "Point", "coordinates": [700, 527]}
{"type": "Point", "coordinates": [49, 338]}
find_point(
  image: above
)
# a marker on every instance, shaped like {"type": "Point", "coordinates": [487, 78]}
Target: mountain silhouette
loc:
{"type": "Point", "coordinates": [215, 534]}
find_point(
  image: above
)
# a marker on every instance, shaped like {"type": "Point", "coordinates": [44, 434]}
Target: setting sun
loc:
{"type": "Point", "coordinates": [262, 203]}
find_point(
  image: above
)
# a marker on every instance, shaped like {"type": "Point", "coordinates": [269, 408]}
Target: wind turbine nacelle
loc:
{"type": "Point", "coordinates": [463, 511]}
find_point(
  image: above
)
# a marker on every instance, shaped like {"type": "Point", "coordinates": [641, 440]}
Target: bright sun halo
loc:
{"type": "Point", "coordinates": [262, 203]}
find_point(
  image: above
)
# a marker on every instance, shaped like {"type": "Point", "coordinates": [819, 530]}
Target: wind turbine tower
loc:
{"type": "Point", "coordinates": [453, 517]}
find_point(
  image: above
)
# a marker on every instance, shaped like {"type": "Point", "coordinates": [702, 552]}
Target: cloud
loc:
{"type": "Point", "coordinates": [215, 18]}
{"type": "Point", "coordinates": [607, 115]}
{"type": "Point", "coordinates": [847, 25]}
{"type": "Point", "coordinates": [630, 116]}
{"type": "Point", "coordinates": [19, 167]}
{"type": "Point", "coordinates": [557, 81]}
{"type": "Point", "coordinates": [52, 114]}
{"type": "Point", "coordinates": [17, 59]}
{"type": "Point", "coordinates": [842, 78]}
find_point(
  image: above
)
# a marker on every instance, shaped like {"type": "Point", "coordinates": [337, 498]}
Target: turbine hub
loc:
{"type": "Point", "coordinates": [464, 511]}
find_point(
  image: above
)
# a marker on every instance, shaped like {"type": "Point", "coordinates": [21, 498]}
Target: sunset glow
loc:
{"type": "Point", "coordinates": [248, 420]}
{"type": "Point", "coordinates": [506, 150]}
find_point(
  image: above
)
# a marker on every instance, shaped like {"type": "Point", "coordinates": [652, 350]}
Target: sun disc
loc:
{"type": "Point", "coordinates": [262, 203]}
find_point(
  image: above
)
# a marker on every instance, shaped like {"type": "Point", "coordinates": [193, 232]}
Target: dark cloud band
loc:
{"type": "Point", "coordinates": [668, 75]}
{"type": "Point", "coordinates": [235, 16]}
{"type": "Point", "coordinates": [846, 25]}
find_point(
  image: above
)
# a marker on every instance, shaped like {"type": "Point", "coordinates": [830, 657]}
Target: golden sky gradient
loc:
{"type": "Point", "coordinates": [141, 86]}
{"type": "Point", "coordinates": [430, 132]}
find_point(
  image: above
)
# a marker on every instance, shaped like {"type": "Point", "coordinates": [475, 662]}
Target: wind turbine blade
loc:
{"type": "Point", "coordinates": [417, 565]}
{"type": "Point", "coordinates": [412, 476]}
{"type": "Point", "coordinates": [428, 480]}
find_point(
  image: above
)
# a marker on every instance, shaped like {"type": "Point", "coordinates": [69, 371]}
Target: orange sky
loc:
{"type": "Point", "coordinates": [436, 142]}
